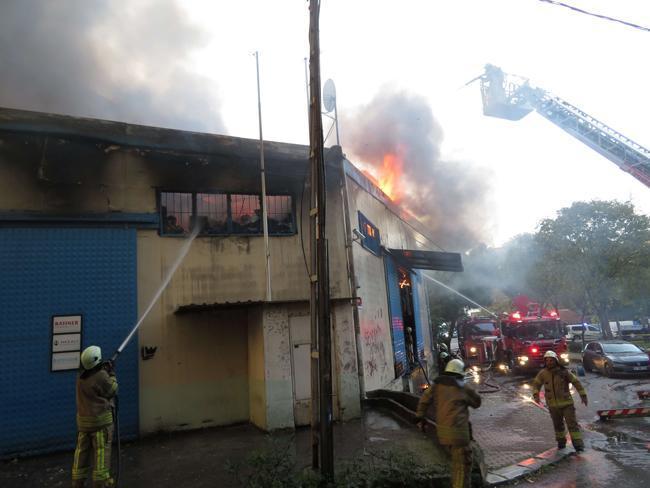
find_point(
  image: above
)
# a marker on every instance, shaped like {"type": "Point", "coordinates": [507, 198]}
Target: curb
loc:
{"type": "Point", "coordinates": [494, 477]}
{"type": "Point", "coordinates": [527, 466]}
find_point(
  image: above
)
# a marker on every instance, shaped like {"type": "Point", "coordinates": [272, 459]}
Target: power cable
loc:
{"type": "Point", "coordinates": [600, 16]}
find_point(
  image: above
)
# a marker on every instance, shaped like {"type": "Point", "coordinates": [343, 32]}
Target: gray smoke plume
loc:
{"type": "Point", "coordinates": [111, 59]}
{"type": "Point", "coordinates": [449, 197]}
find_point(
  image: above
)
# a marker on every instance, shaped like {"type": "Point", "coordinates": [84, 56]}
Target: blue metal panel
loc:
{"type": "Point", "coordinates": [61, 271]}
{"type": "Point", "coordinates": [416, 284]}
{"type": "Point", "coordinates": [396, 317]}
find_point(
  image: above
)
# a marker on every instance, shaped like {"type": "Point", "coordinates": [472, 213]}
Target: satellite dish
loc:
{"type": "Point", "coordinates": [329, 95]}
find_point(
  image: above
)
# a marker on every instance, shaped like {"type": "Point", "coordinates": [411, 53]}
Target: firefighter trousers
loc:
{"type": "Point", "coordinates": [93, 448]}
{"type": "Point", "coordinates": [461, 466]}
{"type": "Point", "coordinates": [562, 415]}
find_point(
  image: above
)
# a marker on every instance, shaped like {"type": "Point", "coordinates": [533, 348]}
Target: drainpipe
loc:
{"type": "Point", "coordinates": [352, 281]}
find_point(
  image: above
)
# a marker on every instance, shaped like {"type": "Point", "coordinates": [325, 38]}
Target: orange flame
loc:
{"type": "Point", "coordinates": [389, 176]}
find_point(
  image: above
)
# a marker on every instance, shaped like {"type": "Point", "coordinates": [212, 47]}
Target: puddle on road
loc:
{"type": "Point", "coordinates": [379, 421]}
{"type": "Point", "coordinates": [627, 450]}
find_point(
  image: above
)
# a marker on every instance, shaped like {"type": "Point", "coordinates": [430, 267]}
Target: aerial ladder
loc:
{"type": "Point", "coordinates": [511, 97]}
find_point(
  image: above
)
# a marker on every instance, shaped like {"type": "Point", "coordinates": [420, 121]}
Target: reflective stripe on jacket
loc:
{"type": "Point", "coordinates": [95, 390]}
{"type": "Point", "coordinates": [451, 398]}
{"type": "Point", "coordinates": [556, 386]}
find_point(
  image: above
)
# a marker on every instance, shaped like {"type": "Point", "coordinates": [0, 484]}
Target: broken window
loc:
{"type": "Point", "coordinates": [212, 212]}
{"type": "Point", "coordinates": [246, 214]}
{"type": "Point", "coordinates": [224, 213]}
{"type": "Point", "coordinates": [279, 211]}
{"type": "Point", "coordinates": [175, 212]}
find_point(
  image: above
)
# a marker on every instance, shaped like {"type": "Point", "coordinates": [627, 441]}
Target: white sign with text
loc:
{"type": "Point", "coordinates": [66, 324]}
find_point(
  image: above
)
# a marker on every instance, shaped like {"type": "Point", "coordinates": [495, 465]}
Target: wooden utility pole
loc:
{"type": "Point", "coordinates": [322, 307]}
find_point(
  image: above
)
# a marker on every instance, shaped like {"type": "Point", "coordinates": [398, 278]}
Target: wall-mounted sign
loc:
{"type": "Point", "coordinates": [66, 324]}
{"type": "Point", "coordinates": [66, 342]}
{"type": "Point", "coordinates": [64, 361]}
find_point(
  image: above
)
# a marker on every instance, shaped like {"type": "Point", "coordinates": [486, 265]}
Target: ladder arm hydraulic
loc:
{"type": "Point", "coordinates": [512, 98]}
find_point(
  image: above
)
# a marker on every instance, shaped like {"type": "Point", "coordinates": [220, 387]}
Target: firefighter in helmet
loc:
{"type": "Point", "coordinates": [443, 356]}
{"type": "Point", "coordinates": [96, 388]}
{"type": "Point", "coordinates": [555, 379]}
{"type": "Point", "coordinates": [452, 397]}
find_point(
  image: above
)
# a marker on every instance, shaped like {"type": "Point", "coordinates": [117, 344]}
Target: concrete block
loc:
{"type": "Point", "coordinates": [511, 472]}
{"type": "Point", "coordinates": [495, 479]}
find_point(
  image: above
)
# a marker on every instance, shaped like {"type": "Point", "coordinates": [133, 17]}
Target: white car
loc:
{"type": "Point", "coordinates": [592, 332]}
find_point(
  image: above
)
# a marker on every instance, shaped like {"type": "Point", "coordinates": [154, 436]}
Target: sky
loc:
{"type": "Point", "coordinates": [189, 64]}
{"type": "Point", "coordinates": [432, 48]}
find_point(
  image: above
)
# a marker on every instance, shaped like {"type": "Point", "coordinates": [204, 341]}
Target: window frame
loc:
{"type": "Point", "coordinates": [229, 221]}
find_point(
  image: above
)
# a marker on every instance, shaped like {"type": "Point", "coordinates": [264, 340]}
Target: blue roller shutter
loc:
{"type": "Point", "coordinates": [396, 317]}
{"type": "Point", "coordinates": [416, 283]}
{"type": "Point", "coordinates": [61, 271]}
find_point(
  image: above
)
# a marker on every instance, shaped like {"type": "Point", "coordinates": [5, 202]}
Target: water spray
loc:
{"type": "Point", "coordinates": [170, 274]}
{"type": "Point", "coordinates": [460, 295]}
{"type": "Point", "coordinates": [116, 417]}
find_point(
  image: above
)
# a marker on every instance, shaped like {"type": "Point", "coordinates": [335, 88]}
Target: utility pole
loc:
{"type": "Point", "coordinates": [322, 308]}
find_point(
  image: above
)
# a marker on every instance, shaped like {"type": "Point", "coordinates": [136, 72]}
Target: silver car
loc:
{"type": "Point", "coordinates": [615, 356]}
{"type": "Point", "coordinates": [574, 332]}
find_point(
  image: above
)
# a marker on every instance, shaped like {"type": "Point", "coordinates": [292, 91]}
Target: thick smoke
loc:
{"type": "Point", "coordinates": [111, 59]}
{"type": "Point", "coordinates": [448, 197]}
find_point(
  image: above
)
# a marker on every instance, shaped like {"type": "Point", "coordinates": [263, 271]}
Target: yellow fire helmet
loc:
{"type": "Point", "coordinates": [91, 357]}
{"type": "Point", "coordinates": [550, 354]}
{"type": "Point", "coordinates": [455, 366]}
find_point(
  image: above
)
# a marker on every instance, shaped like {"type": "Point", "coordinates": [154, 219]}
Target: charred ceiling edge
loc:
{"type": "Point", "coordinates": [139, 136]}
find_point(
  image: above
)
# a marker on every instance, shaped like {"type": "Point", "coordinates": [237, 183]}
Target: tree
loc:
{"type": "Point", "coordinates": [595, 252]}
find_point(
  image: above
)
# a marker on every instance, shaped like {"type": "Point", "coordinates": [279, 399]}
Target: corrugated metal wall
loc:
{"type": "Point", "coordinates": [396, 317]}
{"type": "Point", "coordinates": [416, 282]}
{"type": "Point", "coordinates": [61, 271]}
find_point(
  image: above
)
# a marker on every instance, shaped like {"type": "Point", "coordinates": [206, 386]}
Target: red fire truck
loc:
{"type": "Point", "coordinates": [478, 340]}
{"type": "Point", "coordinates": [528, 333]}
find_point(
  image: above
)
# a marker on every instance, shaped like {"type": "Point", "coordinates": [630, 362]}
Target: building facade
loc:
{"type": "Point", "coordinates": [96, 215]}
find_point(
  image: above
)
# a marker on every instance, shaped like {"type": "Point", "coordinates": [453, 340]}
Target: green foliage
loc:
{"type": "Point", "coordinates": [275, 467]}
{"type": "Point", "coordinates": [272, 467]}
{"type": "Point", "coordinates": [596, 251]}
{"type": "Point", "coordinates": [389, 469]}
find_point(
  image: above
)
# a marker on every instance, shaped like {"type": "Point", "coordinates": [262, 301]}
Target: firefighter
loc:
{"type": "Point", "coordinates": [555, 379]}
{"type": "Point", "coordinates": [443, 356]}
{"type": "Point", "coordinates": [451, 397]}
{"type": "Point", "coordinates": [96, 388]}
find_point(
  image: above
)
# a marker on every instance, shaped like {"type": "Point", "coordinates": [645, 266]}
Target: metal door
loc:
{"type": "Point", "coordinates": [59, 271]}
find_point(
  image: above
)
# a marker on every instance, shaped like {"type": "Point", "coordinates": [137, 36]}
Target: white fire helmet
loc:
{"type": "Point", "coordinates": [91, 357]}
{"type": "Point", "coordinates": [444, 355]}
{"type": "Point", "coordinates": [550, 354]}
{"type": "Point", "coordinates": [455, 366]}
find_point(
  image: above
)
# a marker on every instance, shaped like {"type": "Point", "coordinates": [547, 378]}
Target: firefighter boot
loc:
{"type": "Point", "coordinates": [78, 483]}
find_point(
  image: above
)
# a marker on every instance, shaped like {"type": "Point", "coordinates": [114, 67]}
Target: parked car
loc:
{"type": "Point", "coordinates": [574, 332]}
{"type": "Point", "coordinates": [615, 356]}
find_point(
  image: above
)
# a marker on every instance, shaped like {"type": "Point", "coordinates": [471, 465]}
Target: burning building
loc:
{"type": "Point", "coordinates": [93, 216]}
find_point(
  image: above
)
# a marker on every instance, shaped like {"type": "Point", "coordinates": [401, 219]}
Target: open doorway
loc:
{"type": "Point", "coordinates": [408, 315]}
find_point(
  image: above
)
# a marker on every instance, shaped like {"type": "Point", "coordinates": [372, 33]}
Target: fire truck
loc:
{"type": "Point", "coordinates": [527, 333]}
{"type": "Point", "coordinates": [478, 340]}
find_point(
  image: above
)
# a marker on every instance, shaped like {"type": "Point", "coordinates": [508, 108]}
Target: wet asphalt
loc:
{"type": "Point", "coordinates": [617, 451]}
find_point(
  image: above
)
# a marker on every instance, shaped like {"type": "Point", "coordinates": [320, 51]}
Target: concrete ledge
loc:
{"type": "Point", "coordinates": [527, 466]}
